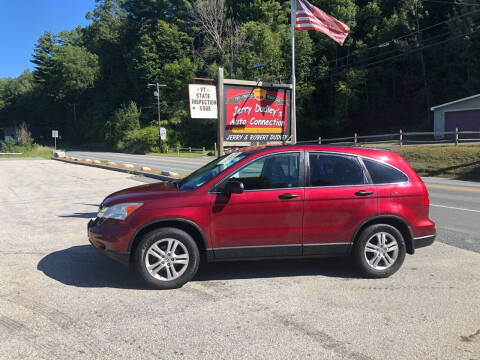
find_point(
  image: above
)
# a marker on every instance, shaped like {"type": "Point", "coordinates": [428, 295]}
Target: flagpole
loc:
{"type": "Point", "coordinates": [293, 115]}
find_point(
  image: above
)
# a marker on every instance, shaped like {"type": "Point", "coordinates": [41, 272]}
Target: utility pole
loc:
{"type": "Point", "coordinates": [74, 112]}
{"type": "Point", "coordinates": [157, 85]}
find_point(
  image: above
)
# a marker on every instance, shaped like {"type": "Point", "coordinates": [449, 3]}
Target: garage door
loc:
{"type": "Point", "coordinates": [464, 121]}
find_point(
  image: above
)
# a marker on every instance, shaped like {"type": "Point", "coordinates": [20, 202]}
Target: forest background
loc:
{"type": "Point", "coordinates": [90, 83]}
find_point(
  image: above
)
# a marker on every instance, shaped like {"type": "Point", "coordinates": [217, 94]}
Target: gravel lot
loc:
{"type": "Point", "coordinates": [60, 299]}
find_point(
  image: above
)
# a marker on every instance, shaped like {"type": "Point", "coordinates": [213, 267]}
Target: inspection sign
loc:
{"type": "Point", "coordinates": [203, 101]}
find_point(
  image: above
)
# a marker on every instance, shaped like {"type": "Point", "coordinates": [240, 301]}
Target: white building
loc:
{"type": "Point", "coordinates": [463, 114]}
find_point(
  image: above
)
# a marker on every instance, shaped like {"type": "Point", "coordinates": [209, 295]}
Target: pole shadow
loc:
{"type": "Point", "coordinates": [80, 215]}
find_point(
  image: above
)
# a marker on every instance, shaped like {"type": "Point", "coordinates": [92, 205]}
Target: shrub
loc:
{"type": "Point", "coordinates": [126, 119]}
{"type": "Point", "coordinates": [8, 146]}
{"type": "Point", "coordinates": [140, 141]}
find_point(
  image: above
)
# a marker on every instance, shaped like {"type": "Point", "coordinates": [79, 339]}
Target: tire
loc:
{"type": "Point", "coordinates": [158, 266]}
{"type": "Point", "coordinates": [379, 251]}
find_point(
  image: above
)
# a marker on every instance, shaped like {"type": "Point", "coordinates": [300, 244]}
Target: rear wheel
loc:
{"type": "Point", "coordinates": [379, 251]}
{"type": "Point", "coordinates": [166, 258]}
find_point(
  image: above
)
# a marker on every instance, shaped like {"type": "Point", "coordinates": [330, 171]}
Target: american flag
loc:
{"type": "Point", "coordinates": [309, 17]}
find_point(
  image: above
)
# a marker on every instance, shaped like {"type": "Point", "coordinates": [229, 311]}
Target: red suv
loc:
{"type": "Point", "coordinates": [270, 202]}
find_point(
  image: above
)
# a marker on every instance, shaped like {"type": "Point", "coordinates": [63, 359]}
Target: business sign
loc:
{"type": "Point", "coordinates": [163, 133]}
{"type": "Point", "coordinates": [203, 101]}
{"type": "Point", "coordinates": [256, 114]}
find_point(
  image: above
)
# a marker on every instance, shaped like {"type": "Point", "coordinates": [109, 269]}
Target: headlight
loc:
{"type": "Point", "coordinates": [119, 211]}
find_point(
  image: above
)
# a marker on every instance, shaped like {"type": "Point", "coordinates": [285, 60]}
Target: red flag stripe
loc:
{"type": "Point", "coordinates": [309, 17]}
{"type": "Point", "coordinates": [338, 38]}
{"type": "Point", "coordinates": [303, 14]}
{"type": "Point", "coordinates": [304, 24]}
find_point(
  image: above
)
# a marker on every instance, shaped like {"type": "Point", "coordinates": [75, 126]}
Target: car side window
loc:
{"type": "Point", "coordinates": [270, 172]}
{"type": "Point", "coordinates": [384, 174]}
{"type": "Point", "coordinates": [335, 170]}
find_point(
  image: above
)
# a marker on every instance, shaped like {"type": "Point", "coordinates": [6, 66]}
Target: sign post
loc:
{"type": "Point", "coordinates": [221, 113]}
{"type": "Point", "coordinates": [55, 136]}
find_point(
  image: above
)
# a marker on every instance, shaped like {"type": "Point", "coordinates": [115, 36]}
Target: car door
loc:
{"type": "Point", "coordinates": [338, 198]}
{"type": "Point", "coordinates": [266, 219]}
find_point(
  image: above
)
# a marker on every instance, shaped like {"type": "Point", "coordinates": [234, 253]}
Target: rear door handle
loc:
{"type": "Point", "coordinates": [288, 196]}
{"type": "Point", "coordinates": [363, 193]}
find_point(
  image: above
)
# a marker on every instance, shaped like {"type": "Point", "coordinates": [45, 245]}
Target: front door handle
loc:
{"type": "Point", "coordinates": [363, 193]}
{"type": "Point", "coordinates": [288, 196]}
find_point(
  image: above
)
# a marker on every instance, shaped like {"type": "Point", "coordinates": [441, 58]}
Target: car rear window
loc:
{"type": "Point", "coordinates": [384, 174]}
{"type": "Point", "coordinates": [335, 170]}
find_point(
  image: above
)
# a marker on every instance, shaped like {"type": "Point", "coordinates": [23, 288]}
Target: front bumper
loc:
{"type": "Point", "coordinates": [100, 243]}
{"type": "Point", "coordinates": [423, 241]}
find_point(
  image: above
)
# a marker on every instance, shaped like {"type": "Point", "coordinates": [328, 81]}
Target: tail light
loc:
{"type": "Point", "coordinates": [426, 200]}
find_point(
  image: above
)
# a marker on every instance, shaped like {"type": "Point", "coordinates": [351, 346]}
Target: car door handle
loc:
{"type": "Point", "coordinates": [363, 193]}
{"type": "Point", "coordinates": [288, 196]}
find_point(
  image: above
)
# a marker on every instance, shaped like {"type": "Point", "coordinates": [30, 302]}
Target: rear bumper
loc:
{"type": "Point", "coordinates": [423, 241]}
{"type": "Point", "coordinates": [99, 243]}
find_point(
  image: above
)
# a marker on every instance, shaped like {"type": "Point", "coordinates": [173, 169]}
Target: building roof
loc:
{"type": "Point", "coordinates": [454, 102]}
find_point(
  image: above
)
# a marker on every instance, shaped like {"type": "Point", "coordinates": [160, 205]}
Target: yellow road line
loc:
{"type": "Point", "coordinates": [461, 188]}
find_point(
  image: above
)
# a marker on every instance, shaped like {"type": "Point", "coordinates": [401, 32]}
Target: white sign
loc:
{"type": "Point", "coordinates": [163, 134]}
{"type": "Point", "coordinates": [54, 133]}
{"type": "Point", "coordinates": [203, 101]}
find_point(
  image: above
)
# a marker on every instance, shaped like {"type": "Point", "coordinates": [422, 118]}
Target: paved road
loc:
{"type": "Point", "coordinates": [60, 299]}
{"type": "Point", "coordinates": [455, 207]}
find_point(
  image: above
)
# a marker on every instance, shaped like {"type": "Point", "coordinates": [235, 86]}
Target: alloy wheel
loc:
{"type": "Point", "coordinates": [381, 251]}
{"type": "Point", "coordinates": [166, 259]}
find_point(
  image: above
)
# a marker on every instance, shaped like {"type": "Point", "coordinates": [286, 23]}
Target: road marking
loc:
{"type": "Point", "coordinates": [453, 187]}
{"type": "Point", "coordinates": [455, 208]}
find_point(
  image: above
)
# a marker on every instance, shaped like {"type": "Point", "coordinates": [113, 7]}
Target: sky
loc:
{"type": "Point", "coordinates": [23, 21]}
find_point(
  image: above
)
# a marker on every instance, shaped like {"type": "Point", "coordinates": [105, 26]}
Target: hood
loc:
{"type": "Point", "coordinates": [141, 193]}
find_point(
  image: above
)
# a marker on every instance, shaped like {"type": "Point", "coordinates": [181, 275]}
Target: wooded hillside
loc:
{"type": "Point", "coordinates": [401, 58]}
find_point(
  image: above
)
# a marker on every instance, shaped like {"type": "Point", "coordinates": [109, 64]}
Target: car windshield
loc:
{"type": "Point", "coordinates": [205, 173]}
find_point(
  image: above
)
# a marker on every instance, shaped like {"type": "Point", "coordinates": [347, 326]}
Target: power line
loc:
{"type": "Point", "coordinates": [452, 3]}
{"type": "Point", "coordinates": [396, 50]}
{"type": "Point", "coordinates": [400, 55]}
{"type": "Point", "coordinates": [387, 43]}
{"type": "Point", "coordinates": [359, 63]}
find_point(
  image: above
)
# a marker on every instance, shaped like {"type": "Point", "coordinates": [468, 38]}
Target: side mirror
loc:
{"type": "Point", "coordinates": [234, 187]}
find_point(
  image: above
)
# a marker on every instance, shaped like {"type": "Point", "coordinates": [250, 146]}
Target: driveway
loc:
{"type": "Point", "coordinates": [60, 299]}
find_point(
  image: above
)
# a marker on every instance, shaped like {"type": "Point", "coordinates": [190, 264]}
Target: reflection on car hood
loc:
{"type": "Point", "coordinates": [141, 193]}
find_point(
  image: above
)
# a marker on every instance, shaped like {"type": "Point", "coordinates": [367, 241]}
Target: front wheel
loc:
{"type": "Point", "coordinates": [379, 251]}
{"type": "Point", "coordinates": [166, 258]}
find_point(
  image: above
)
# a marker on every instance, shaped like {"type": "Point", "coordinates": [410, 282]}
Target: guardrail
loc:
{"type": "Point", "coordinates": [178, 150]}
{"type": "Point", "coordinates": [403, 138]}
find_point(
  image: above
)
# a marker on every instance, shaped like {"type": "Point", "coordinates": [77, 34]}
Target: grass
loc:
{"type": "Point", "coordinates": [459, 162]}
{"type": "Point", "coordinates": [182, 154]}
{"type": "Point", "coordinates": [36, 151]}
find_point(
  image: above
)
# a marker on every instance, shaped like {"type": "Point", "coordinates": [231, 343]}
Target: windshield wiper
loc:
{"type": "Point", "coordinates": [174, 183]}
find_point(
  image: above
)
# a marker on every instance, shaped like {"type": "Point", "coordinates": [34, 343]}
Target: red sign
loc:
{"type": "Point", "coordinates": [255, 114]}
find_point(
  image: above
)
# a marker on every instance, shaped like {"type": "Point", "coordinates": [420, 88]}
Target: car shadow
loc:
{"type": "Point", "coordinates": [82, 266]}
{"type": "Point", "coordinates": [331, 267]}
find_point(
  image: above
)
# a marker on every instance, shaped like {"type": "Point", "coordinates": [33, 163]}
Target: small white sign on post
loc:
{"type": "Point", "coordinates": [203, 101]}
{"type": "Point", "coordinates": [163, 134]}
{"type": "Point", "coordinates": [55, 136]}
